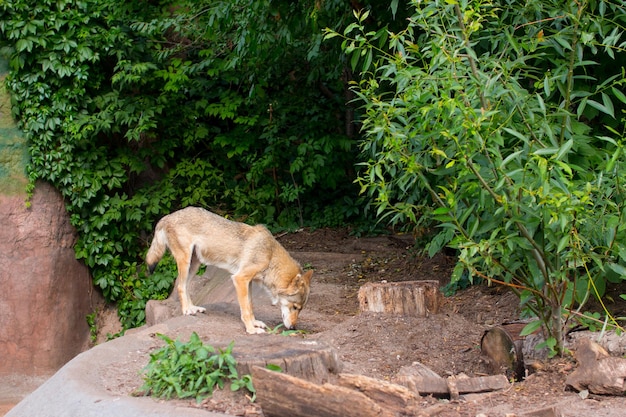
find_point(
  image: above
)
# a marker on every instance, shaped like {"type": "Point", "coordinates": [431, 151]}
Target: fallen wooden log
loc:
{"type": "Point", "coordinates": [597, 371]}
{"type": "Point", "coordinates": [423, 380]}
{"type": "Point", "coordinates": [453, 386]}
{"type": "Point", "coordinates": [282, 395]}
{"type": "Point", "coordinates": [410, 298]}
{"type": "Point", "coordinates": [393, 397]}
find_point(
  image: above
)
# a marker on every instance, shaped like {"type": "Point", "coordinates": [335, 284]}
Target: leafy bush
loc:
{"type": "Point", "coordinates": [134, 109]}
{"type": "Point", "coordinates": [499, 123]}
{"type": "Point", "coordinates": [191, 370]}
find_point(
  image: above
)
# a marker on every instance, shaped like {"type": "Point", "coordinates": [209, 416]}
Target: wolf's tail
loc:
{"type": "Point", "coordinates": [157, 249]}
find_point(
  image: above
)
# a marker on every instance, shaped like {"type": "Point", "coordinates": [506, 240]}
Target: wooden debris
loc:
{"type": "Point", "coordinates": [411, 298]}
{"type": "Point", "coordinates": [423, 380]}
{"type": "Point", "coordinates": [503, 351]}
{"type": "Point", "coordinates": [282, 395]}
{"type": "Point", "coordinates": [597, 371]}
{"type": "Point", "coordinates": [417, 369]}
{"type": "Point", "coordinates": [396, 398]}
{"type": "Point", "coordinates": [310, 360]}
{"type": "Point", "coordinates": [453, 386]}
{"type": "Point", "coordinates": [544, 412]}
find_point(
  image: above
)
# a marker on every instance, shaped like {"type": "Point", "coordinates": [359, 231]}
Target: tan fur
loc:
{"type": "Point", "coordinates": [196, 236]}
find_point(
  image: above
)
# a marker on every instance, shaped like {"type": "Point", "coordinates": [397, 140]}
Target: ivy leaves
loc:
{"type": "Point", "coordinates": [133, 109]}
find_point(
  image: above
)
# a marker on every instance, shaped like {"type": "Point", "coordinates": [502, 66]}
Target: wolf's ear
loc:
{"type": "Point", "coordinates": [306, 278]}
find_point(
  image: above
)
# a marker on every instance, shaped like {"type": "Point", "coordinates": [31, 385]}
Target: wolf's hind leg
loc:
{"type": "Point", "coordinates": [187, 269]}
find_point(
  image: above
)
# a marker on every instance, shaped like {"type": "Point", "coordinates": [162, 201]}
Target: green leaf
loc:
{"type": "Point", "coordinates": [531, 327]}
{"type": "Point", "coordinates": [564, 149]}
{"type": "Point", "coordinates": [273, 367]}
{"type": "Point", "coordinates": [619, 94]}
{"type": "Point", "coordinates": [618, 269]}
{"type": "Point", "coordinates": [601, 107]}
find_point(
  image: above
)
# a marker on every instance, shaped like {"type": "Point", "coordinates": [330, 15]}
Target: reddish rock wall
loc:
{"type": "Point", "coordinates": [45, 293]}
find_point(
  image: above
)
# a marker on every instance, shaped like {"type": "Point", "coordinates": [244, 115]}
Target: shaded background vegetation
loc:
{"type": "Point", "coordinates": [254, 109]}
{"type": "Point", "coordinates": [134, 109]}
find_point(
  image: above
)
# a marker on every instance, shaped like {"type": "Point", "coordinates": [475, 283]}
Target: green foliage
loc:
{"type": "Point", "coordinates": [135, 109]}
{"type": "Point", "coordinates": [93, 327]}
{"type": "Point", "coordinates": [502, 123]}
{"type": "Point", "coordinates": [283, 332]}
{"type": "Point", "coordinates": [191, 370]}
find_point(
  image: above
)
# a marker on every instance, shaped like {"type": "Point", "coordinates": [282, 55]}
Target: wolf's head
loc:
{"type": "Point", "coordinates": [293, 298]}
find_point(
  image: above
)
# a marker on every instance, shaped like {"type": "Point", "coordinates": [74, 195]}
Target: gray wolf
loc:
{"type": "Point", "coordinates": [196, 236]}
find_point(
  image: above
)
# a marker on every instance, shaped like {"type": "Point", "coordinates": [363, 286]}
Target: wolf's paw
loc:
{"type": "Point", "coordinates": [192, 310]}
{"type": "Point", "coordinates": [260, 324]}
{"type": "Point", "coordinates": [258, 327]}
{"type": "Point", "coordinates": [255, 330]}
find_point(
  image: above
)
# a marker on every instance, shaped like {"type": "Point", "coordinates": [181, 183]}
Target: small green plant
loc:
{"type": "Point", "coordinates": [276, 330]}
{"type": "Point", "coordinates": [273, 367]}
{"type": "Point", "coordinates": [191, 370]}
{"type": "Point", "coordinates": [93, 326]}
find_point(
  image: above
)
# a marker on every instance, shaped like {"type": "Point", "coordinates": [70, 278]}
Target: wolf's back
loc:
{"type": "Point", "coordinates": [157, 248]}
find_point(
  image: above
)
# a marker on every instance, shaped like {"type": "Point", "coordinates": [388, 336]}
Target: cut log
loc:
{"type": "Point", "coordinates": [393, 397]}
{"type": "Point", "coordinates": [508, 352]}
{"type": "Point", "coordinates": [310, 360]}
{"type": "Point", "coordinates": [410, 298]}
{"type": "Point", "coordinates": [597, 371]}
{"type": "Point", "coordinates": [503, 353]}
{"type": "Point", "coordinates": [281, 395]}
{"type": "Point", "coordinates": [442, 387]}
{"type": "Point", "coordinates": [417, 369]}
{"type": "Point", "coordinates": [551, 411]}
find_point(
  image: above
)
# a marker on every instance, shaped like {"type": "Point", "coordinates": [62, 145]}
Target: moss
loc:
{"type": "Point", "coordinates": [13, 150]}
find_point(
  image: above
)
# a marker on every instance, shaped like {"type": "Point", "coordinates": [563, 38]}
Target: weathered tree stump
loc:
{"type": "Point", "coordinates": [503, 352]}
{"type": "Point", "coordinates": [410, 298]}
{"type": "Point", "coordinates": [506, 351]}
{"type": "Point", "coordinates": [306, 359]}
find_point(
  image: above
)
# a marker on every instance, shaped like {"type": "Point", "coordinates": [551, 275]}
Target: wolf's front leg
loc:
{"type": "Point", "coordinates": [242, 287]}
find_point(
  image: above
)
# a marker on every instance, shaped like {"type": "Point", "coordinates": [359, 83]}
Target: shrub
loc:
{"type": "Point", "coordinates": [484, 119]}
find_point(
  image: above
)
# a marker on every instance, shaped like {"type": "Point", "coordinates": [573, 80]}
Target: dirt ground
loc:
{"type": "Point", "coordinates": [448, 342]}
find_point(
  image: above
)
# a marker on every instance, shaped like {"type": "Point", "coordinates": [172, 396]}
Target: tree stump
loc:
{"type": "Point", "coordinates": [410, 298]}
{"type": "Point", "coordinates": [306, 359]}
{"type": "Point", "coordinates": [503, 352]}
{"type": "Point", "coordinates": [508, 352]}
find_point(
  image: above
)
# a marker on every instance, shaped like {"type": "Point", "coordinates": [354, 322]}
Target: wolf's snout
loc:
{"type": "Point", "coordinates": [289, 324]}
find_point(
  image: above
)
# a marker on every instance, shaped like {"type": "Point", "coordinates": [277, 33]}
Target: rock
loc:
{"type": "Point", "coordinates": [597, 371]}
{"type": "Point", "coordinates": [213, 287]}
{"type": "Point", "coordinates": [46, 292]}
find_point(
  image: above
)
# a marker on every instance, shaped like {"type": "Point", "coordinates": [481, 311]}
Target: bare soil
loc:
{"type": "Point", "coordinates": [379, 345]}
